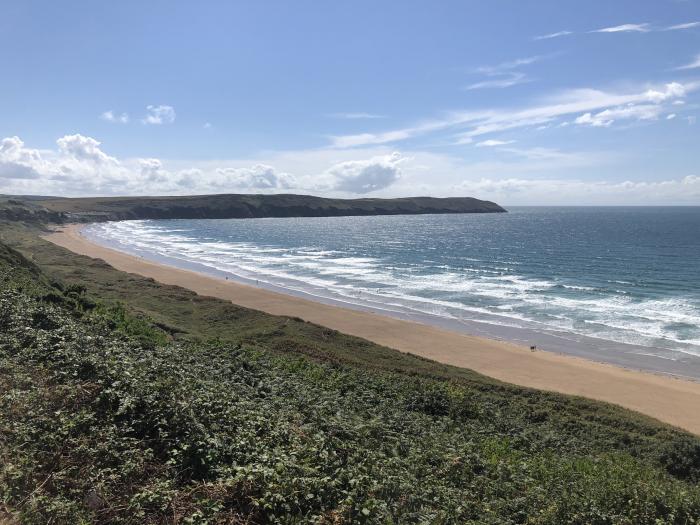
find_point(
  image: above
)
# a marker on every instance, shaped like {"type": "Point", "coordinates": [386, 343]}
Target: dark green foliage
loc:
{"type": "Point", "coordinates": [106, 418]}
{"type": "Point", "coordinates": [117, 318]}
{"type": "Point", "coordinates": [432, 399]}
{"type": "Point", "coordinates": [682, 459]}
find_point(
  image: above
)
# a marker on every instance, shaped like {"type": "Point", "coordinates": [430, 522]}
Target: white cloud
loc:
{"type": "Point", "coordinates": [687, 25]}
{"type": "Point", "coordinates": [472, 124]}
{"type": "Point", "coordinates": [355, 116]}
{"type": "Point", "coordinates": [694, 64]}
{"type": "Point", "coordinates": [188, 178]}
{"type": "Point", "coordinates": [589, 119]}
{"type": "Point", "coordinates": [670, 116]}
{"type": "Point", "coordinates": [159, 115]}
{"type": "Point", "coordinates": [554, 35]}
{"type": "Point", "coordinates": [491, 143]}
{"type": "Point", "coordinates": [12, 149]}
{"type": "Point", "coordinates": [111, 116]}
{"type": "Point", "coordinates": [79, 166]}
{"type": "Point", "coordinates": [18, 162]}
{"type": "Point", "coordinates": [81, 148]}
{"type": "Point", "coordinates": [632, 111]}
{"type": "Point", "coordinates": [365, 176]}
{"type": "Point", "coordinates": [672, 90]}
{"type": "Point", "coordinates": [152, 171]}
{"type": "Point", "coordinates": [257, 177]}
{"type": "Point", "coordinates": [625, 28]}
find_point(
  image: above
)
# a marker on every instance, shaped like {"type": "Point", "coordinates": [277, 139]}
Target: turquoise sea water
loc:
{"type": "Point", "coordinates": [617, 284]}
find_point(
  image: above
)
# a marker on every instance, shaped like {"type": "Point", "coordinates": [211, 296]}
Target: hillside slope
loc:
{"type": "Point", "coordinates": [127, 401]}
{"type": "Point", "coordinates": [250, 206]}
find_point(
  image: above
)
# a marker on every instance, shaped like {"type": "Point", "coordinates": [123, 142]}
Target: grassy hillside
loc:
{"type": "Point", "coordinates": [248, 206]}
{"type": "Point", "coordinates": [126, 401]}
{"type": "Point", "coordinates": [23, 209]}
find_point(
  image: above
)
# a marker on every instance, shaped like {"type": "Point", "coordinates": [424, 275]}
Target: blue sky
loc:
{"type": "Point", "coordinates": [542, 102]}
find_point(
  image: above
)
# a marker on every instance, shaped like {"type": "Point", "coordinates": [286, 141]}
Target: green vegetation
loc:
{"type": "Point", "coordinates": [126, 401]}
{"type": "Point", "coordinates": [229, 207]}
{"type": "Point", "coordinates": [26, 210]}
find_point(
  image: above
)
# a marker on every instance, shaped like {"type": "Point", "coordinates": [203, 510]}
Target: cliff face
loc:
{"type": "Point", "coordinates": [98, 209]}
{"type": "Point", "coordinates": [15, 210]}
{"type": "Point", "coordinates": [252, 206]}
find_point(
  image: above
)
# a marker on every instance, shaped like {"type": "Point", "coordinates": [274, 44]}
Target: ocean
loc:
{"type": "Point", "coordinates": [614, 284]}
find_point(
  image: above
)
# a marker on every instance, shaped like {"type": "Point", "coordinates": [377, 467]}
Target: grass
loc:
{"type": "Point", "coordinates": [126, 401]}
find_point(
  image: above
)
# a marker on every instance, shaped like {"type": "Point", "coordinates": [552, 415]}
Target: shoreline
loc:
{"type": "Point", "coordinates": [620, 354]}
{"type": "Point", "coordinates": [664, 397]}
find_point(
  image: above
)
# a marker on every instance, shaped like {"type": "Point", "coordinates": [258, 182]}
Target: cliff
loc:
{"type": "Point", "coordinates": [246, 206]}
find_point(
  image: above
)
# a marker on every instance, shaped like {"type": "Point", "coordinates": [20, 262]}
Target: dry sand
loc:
{"type": "Point", "coordinates": [674, 401]}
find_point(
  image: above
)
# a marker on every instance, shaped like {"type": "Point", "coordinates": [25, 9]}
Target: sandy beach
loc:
{"type": "Point", "coordinates": [674, 401]}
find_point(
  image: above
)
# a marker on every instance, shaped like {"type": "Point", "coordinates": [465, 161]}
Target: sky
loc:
{"type": "Point", "coordinates": [551, 102]}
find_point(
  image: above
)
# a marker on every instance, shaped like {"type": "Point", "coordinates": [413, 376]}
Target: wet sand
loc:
{"type": "Point", "coordinates": [674, 401]}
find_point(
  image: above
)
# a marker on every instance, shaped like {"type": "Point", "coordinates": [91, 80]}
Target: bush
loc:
{"type": "Point", "coordinates": [682, 459]}
{"type": "Point", "coordinates": [103, 419]}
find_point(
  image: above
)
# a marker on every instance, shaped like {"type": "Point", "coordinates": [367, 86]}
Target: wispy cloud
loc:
{"type": "Point", "coordinates": [554, 35]}
{"type": "Point", "coordinates": [625, 28]}
{"type": "Point", "coordinates": [355, 116]}
{"type": "Point", "coordinates": [678, 27]}
{"type": "Point", "coordinates": [511, 64]}
{"type": "Point", "coordinates": [473, 124]}
{"type": "Point", "coordinates": [157, 115]}
{"type": "Point", "coordinates": [366, 139]}
{"type": "Point", "coordinates": [691, 65]}
{"type": "Point", "coordinates": [111, 116]}
{"type": "Point", "coordinates": [503, 75]}
{"type": "Point", "coordinates": [493, 143]}
{"type": "Point", "coordinates": [512, 78]}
